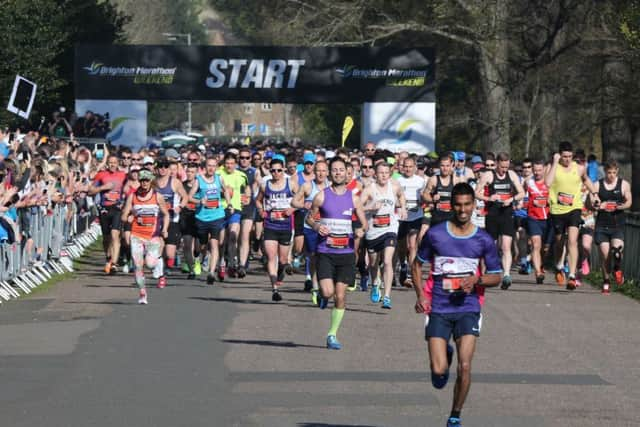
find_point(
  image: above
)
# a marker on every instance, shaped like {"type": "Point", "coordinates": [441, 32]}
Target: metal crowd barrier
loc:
{"type": "Point", "coordinates": [56, 235]}
{"type": "Point", "coordinates": [631, 254]}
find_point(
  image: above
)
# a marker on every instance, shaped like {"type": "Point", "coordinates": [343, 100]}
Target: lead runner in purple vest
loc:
{"type": "Point", "coordinates": [330, 216]}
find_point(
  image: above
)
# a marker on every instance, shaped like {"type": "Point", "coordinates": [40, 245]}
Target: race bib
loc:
{"type": "Point", "coordinates": [444, 206]}
{"type": "Point", "coordinates": [565, 199]}
{"type": "Point", "coordinates": [212, 203]}
{"type": "Point", "coordinates": [610, 206]}
{"type": "Point", "coordinates": [381, 221]}
{"type": "Point", "coordinates": [503, 196]}
{"type": "Point", "coordinates": [452, 284]}
{"type": "Point", "coordinates": [112, 196]}
{"type": "Point", "coordinates": [191, 206]}
{"type": "Point", "coordinates": [540, 202]}
{"type": "Point", "coordinates": [338, 241]}
{"type": "Point", "coordinates": [277, 215]}
{"type": "Point", "coordinates": [146, 221]}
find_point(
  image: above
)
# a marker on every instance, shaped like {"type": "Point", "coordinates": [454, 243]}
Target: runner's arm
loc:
{"type": "Point", "coordinates": [298, 198]}
{"type": "Point", "coordinates": [318, 200]}
{"type": "Point", "coordinates": [484, 180]}
{"type": "Point", "coordinates": [428, 190]}
{"type": "Point", "coordinates": [550, 176]}
{"type": "Point", "coordinates": [626, 194]}
{"type": "Point", "coordinates": [179, 188]}
{"type": "Point", "coordinates": [519, 196]}
{"type": "Point", "coordinates": [127, 208]}
{"type": "Point", "coordinates": [194, 189]}
{"type": "Point", "coordinates": [357, 205]}
{"type": "Point", "coordinates": [165, 215]}
{"type": "Point", "coordinates": [259, 198]}
{"type": "Point", "coordinates": [423, 304]}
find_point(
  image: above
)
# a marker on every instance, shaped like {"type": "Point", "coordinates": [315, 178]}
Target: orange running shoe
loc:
{"type": "Point", "coordinates": [618, 277]}
{"type": "Point", "coordinates": [107, 268]}
{"type": "Point", "coordinates": [560, 277]}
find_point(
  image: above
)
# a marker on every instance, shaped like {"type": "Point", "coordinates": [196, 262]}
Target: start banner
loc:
{"type": "Point", "coordinates": [298, 75]}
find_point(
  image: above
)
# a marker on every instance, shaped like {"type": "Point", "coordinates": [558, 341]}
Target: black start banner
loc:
{"type": "Point", "coordinates": [299, 75]}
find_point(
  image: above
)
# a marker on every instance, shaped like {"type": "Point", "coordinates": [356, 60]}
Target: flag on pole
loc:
{"type": "Point", "coordinates": [346, 128]}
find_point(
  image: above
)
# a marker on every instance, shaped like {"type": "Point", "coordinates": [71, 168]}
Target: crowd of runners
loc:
{"type": "Point", "coordinates": [365, 220]}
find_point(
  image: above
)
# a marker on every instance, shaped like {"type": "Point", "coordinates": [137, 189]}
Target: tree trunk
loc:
{"type": "Point", "coordinates": [616, 131]}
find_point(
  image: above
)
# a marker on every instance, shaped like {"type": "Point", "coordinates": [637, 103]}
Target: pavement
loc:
{"type": "Point", "coordinates": [85, 354]}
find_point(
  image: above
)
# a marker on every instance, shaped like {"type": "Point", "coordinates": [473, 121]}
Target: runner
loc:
{"type": "Point", "coordinates": [274, 204]}
{"type": "Point", "coordinates": [355, 187]}
{"type": "Point", "coordinates": [380, 201]}
{"type": "Point", "coordinates": [336, 259]}
{"type": "Point", "coordinates": [149, 218]}
{"type": "Point", "coordinates": [524, 172]}
{"type": "Point", "coordinates": [438, 191]}
{"type": "Point", "coordinates": [207, 192]}
{"type": "Point", "coordinates": [614, 194]}
{"type": "Point", "coordinates": [412, 186]}
{"type": "Point", "coordinates": [304, 176]}
{"type": "Point", "coordinates": [248, 209]}
{"type": "Point", "coordinates": [538, 222]}
{"type": "Point", "coordinates": [454, 292]}
{"type": "Point", "coordinates": [188, 227]}
{"type": "Point", "coordinates": [565, 179]}
{"type": "Point", "coordinates": [109, 183]}
{"type": "Point", "coordinates": [130, 187]}
{"type": "Point", "coordinates": [303, 199]}
{"type": "Point", "coordinates": [504, 189]}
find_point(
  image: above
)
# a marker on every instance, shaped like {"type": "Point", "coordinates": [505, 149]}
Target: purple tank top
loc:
{"type": "Point", "coordinates": [275, 203]}
{"type": "Point", "coordinates": [335, 213]}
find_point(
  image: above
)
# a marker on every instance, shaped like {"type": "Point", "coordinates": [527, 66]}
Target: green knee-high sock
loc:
{"type": "Point", "coordinates": [336, 318]}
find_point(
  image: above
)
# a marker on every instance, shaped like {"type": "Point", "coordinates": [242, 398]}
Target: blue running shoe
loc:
{"type": "Point", "coordinates": [453, 422]}
{"type": "Point", "coordinates": [333, 343]}
{"type": "Point", "coordinates": [323, 303]}
{"type": "Point", "coordinates": [506, 282]}
{"type": "Point", "coordinates": [296, 262]}
{"type": "Point", "coordinates": [364, 283]}
{"type": "Point", "coordinates": [386, 302]}
{"type": "Point", "coordinates": [375, 294]}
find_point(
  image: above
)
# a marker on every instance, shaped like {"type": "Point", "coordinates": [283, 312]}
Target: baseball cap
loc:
{"type": "Point", "coordinates": [476, 159]}
{"type": "Point", "coordinates": [171, 154]}
{"type": "Point", "coordinates": [309, 158]}
{"type": "Point", "coordinates": [145, 174]}
{"type": "Point", "coordinates": [459, 156]}
{"type": "Point", "coordinates": [147, 160]}
{"type": "Point", "coordinates": [477, 166]}
{"type": "Point", "coordinates": [279, 157]}
{"type": "Point", "coordinates": [268, 154]}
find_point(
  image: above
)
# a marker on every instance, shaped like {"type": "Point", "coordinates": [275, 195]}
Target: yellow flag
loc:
{"type": "Point", "coordinates": [346, 128]}
{"type": "Point", "coordinates": [247, 140]}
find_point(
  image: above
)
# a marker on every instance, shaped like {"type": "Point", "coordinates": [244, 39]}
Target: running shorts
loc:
{"type": "Point", "coordinates": [283, 237]}
{"type": "Point", "coordinates": [606, 234]}
{"type": "Point", "coordinates": [341, 268]}
{"type": "Point", "coordinates": [110, 219]}
{"type": "Point", "coordinates": [562, 222]}
{"type": "Point", "coordinates": [310, 241]}
{"type": "Point", "coordinates": [387, 240]}
{"type": "Point", "coordinates": [406, 227]}
{"type": "Point", "coordinates": [173, 235]}
{"type": "Point", "coordinates": [207, 230]}
{"type": "Point", "coordinates": [500, 224]}
{"type": "Point", "coordinates": [298, 222]}
{"type": "Point", "coordinates": [444, 325]}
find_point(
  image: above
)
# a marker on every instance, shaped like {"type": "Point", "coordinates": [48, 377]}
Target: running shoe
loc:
{"type": "Point", "coordinates": [125, 268]}
{"type": "Point", "coordinates": [314, 296]}
{"type": "Point", "coordinates": [584, 267]}
{"type": "Point", "coordinates": [323, 302]}
{"type": "Point", "coordinates": [162, 282]}
{"type": "Point", "coordinates": [523, 267]}
{"type": "Point", "coordinates": [386, 302]}
{"type": "Point", "coordinates": [275, 296]}
{"type": "Point", "coordinates": [242, 272]}
{"type": "Point", "coordinates": [197, 268]}
{"type": "Point", "coordinates": [308, 284]}
{"type": "Point", "coordinates": [560, 277]}
{"type": "Point", "coordinates": [296, 262]}
{"type": "Point", "coordinates": [364, 283]}
{"type": "Point", "coordinates": [210, 279]}
{"type": "Point", "coordinates": [453, 422]}
{"type": "Point", "coordinates": [506, 282]}
{"type": "Point", "coordinates": [232, 272]}
{"type": "Point", "coordinates": [222, 272]}
{"type": "Point", "coordinates": [571, 283]}
{"type": "Point", "coordinates": [288, 269]}
{"type": "Point", "coordinates": [618, 277]}
{"type": "Point", "coordinates": [353, 287]}
{"type": "Point", "coordinates": [605, 288]}
{"type": "Point", "coordinates": [185, 267]}
{"type": "Point", "coordinates": [375, 294]}
{"type": "Point", "coordinates": [142, 298]}
{"type": "Point", "coordinates": [539, 279]}
{"type": "Point", "coordinates": [333, 343]}
{"type": "Point", "coordinates": [107, 267]}
{"type": "Point", "coordinates": [191, 275]}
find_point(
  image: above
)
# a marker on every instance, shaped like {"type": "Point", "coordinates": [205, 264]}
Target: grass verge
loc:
{"type": "Point", "coordinates": [630, 288]}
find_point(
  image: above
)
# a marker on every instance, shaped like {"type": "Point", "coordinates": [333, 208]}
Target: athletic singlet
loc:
{"type": "Point", "coordinates": [504, 188]}
{"type": "Point", "coordinates": [275, 203]}
{"type": "Point", "coordinates": [335, 213]}
{"type": "Point", "coordinates": [309, 199]}
{"type": "Point", "coordinates": [522, 212]}
{"type": "Point", "coordinates": [238, 182]}
{"type": "Point", "coordinates": [538, 203]}
{"type": "Point", "coordinates": [384, 220]}
{"type": "Point", "coordinates": [301, 180]}
{"type": "Point", "coordinates": [353, 187]}
{"type": "Point", "coordinates": [211, 192]}
{"type": "Point", "coordinates": [146, 217]}
{"type": "Point", "coordinates": [113, 197]}
{"type": "Point", "coordinates": [564, 193]}
{"type": "Point", "coordinates": [609, 216]}
{"type": "Point", "coordinates": [170, 198]}
{"type": "Point", "coordinates": [191, 207]}
{"type": "Point", "coordinates": [442, 207]}
{"type": "Point", "coordinates": [412, 188]}
{"type": "Point", "coordinates": [250, 172]}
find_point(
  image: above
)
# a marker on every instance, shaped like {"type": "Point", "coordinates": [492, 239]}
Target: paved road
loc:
{"type": "Point", "coordinates": [84, 354]}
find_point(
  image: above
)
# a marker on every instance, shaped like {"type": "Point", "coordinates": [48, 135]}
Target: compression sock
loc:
{"type": "Point", "coordinates": [281, 272]}
{"type": "Point", "coordinates": [336, 318]}
{"type": "Point", "coordinates": [307, 266]}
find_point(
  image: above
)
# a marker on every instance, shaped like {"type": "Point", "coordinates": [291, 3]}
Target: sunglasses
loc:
{"type": "Point", "coordinates": [126, 157]}
{"type": "Point", "coordinates": [144, 180]}
{"type": "Point", "coordinates": [489, 165]}
{"type": "Point", "coordinates": [163, 165]}
{"type": "Point", "coordinates": [366, 167]}
{"type": "Point", "coordinates": [276, 170]}
{"type": "Point", "coordinates": [194, 159]}
{"type": "Point", "coordinates": [527, 167]}
{"type": "Point", "coordinates": [244, 158]}
{"type": "Point", "coordinates": [136, 159]}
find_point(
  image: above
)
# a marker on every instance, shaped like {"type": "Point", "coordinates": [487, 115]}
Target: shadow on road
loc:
{"type": "Point", "coordinates": [331, 425]}
{"type": "Point", "coordinates": [268, 343]}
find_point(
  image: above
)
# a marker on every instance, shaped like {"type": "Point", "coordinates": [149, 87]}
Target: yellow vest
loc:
{"type": "Point", "coordinates": [565, 192]}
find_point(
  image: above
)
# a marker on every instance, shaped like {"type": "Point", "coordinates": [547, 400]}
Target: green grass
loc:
{"type": "Point", "coordinates": [630, 287]}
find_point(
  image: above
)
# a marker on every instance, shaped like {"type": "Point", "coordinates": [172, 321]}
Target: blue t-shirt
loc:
{"type": "Point", "coordinates": [452, 257]}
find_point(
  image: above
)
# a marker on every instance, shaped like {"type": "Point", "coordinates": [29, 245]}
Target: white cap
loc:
{"type": "Point", "coordinates": [147, 160]}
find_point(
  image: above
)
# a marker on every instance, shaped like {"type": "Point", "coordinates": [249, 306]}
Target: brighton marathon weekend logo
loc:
{"type": "Point", "coordinates": [140, 75]}
{"type": "Point", "coordinates": [393, 76]}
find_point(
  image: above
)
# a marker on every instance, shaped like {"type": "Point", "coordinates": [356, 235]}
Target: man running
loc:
{"type": "Point", "coordinates": [453, 294]}
{"type": "Point", "coordinates": [248, 209]}
{"type": "Point", "coordinates": [109, 183]}
{"type": "Point", "coordinates": [336, 259]}
{"type": "Point", "coordinates": [380, 201]}
{"type": "Point", "coordinates": [565, 178]}
{"type": "Point", "coordinates": [274, 204]}
{"type": "Point", "coordinates": [207, 193]}
{"type": "Point", "coordinates": [149, 217]}
{"type": "Point", "coordinates": [438, 191]}
{"type": "Point", "coordinates": [304, 176]}
{"type": "Point", "coordinates": [538, 222]}
{"type": "Point", "coordinates": [614, 194]}
{"type": "Point", "coordinates": [504, 189]}
{"type": "Point", "coordinates": [188, 227]}
{"type": "Point", "coordinates": [304, 199]}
